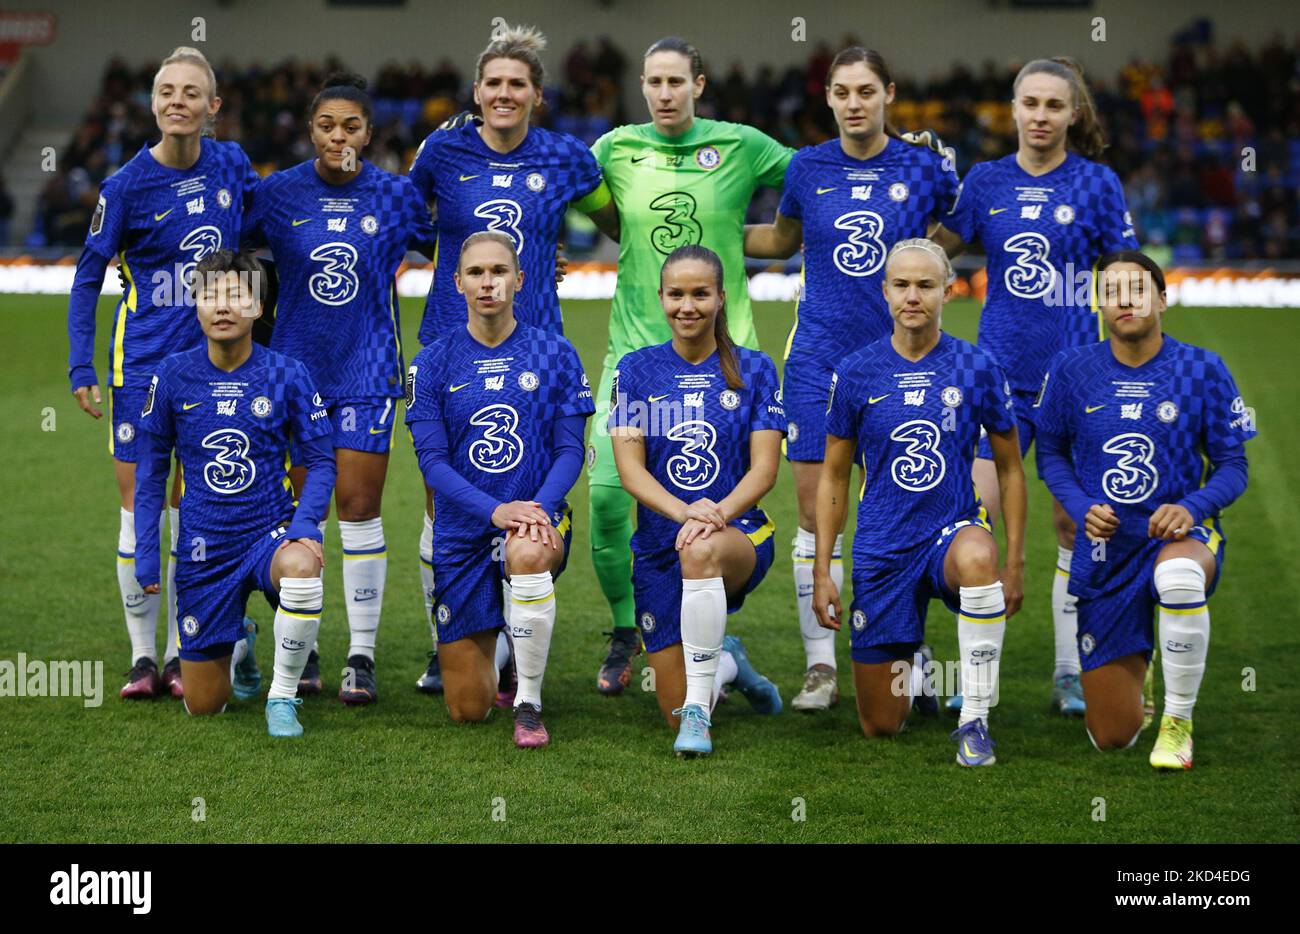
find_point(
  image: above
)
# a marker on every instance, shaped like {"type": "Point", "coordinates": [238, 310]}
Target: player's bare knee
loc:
{"type": "Point", "coordinates": [469, 710]}
{"type": "Point", "coordinates": [880, 726]}
{"type": "Point", "coordinates": [296, 560]}
{"type": "Point", "coordinates": [1115, 732]}
{"type": "Point", "coordinates": [527, 557]}
{"type": "Point", "coordinates": [977, 561]}
{"type": "Point", "coordinates": [699, 559]}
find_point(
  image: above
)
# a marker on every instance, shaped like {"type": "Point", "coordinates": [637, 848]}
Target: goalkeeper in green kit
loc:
{"type": "Point", "coordinates": [678, 180]}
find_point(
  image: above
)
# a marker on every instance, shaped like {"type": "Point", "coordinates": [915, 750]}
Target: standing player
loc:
{"type": "Point", "coordinates": [914, 404]}
{"type": "Point", "coordinates": [677, 180]}
{"type": "Point", "coordinates": [230, 408]}
{"type": "Point", "coordinates": [339, 228]}
{"type": "Point", "coordinates": [696, 427]}
{"type": "Point", "coordinates": [1126, 431]}
{"type": "Point", "coordinates": [1044, 215]}
{"type": "Point", "coordinates": [847, 200]}
{"type": "Point", "coordinates": [502, 174]}
{"type": "Point", "coordinates": [174, 203]}
{"type": "Point", "coordinates": [496, 413]}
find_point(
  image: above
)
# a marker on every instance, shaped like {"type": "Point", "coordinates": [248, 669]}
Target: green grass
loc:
{"type": "Point", "coordinates": [401, 771]}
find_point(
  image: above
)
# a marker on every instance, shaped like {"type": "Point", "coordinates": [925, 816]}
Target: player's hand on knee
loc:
{"type": "Point", "coordinates": [518, 515]}
{"type": "Point", "coordinates": [1013, 588]}
{"type": "Point", "coordinates": [1101, 522]}
{"type": "Point", "coordinates": [826, 601]}
{"type": "Point", "coordinates": [692, 530]}
{"type": "Point", "coordinates": [706, 510]}
{"type": "Point", "coordinates": [1170, 522]}
{"type": "Point", "coordinates": [311, 544]}
{"type": "Point", "coordinates": [84, 394]}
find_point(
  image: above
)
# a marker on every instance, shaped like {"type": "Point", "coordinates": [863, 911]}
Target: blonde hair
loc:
{"type": "Point", "coordinates": [184, 54]}
{"type": "Point", "coordinates": [489, 236]}
{"type": "Point", "coordinates": [928, 246]}
{"type": "Point", "coordinates": [521, 43]}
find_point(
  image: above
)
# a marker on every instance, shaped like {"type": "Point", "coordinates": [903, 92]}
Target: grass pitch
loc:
{"type": "Point", "coordinates": [401, 771]}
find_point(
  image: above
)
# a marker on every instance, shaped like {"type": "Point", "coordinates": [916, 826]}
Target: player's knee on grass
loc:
{"type": "Point", "coordinates": [700, 559]}
{"type": "Point", "coordinates": [470, 705]}
{"type": "Point", "coordinates": [880, 723]}
{"type": "Point", "coordinates": [1117, 731]}
{"type": "Point", "coordinates": [207, 690]}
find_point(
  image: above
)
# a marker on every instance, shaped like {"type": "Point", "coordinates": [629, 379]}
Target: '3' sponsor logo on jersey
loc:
{"type": "Point", "coordinates": [680, 228]}
{"type": "Point", "coordinates": [695, 466]}
{"type": "Point", "coordinates": [230, 470]}
{"type": "Point", "coordinates": [921, 466]}
{"type": "Point", "coordinates": [864, 251]}
{"type": "Point", "coordinates": [336, 283]}
{"type": "Point", "coordinates": [1134, 477]}
{"type": "Point", "coordinates": [500, 449]}
{"type": "Point", "coordinates": [506, 216]}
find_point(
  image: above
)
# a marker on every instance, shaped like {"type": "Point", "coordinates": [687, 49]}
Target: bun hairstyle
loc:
{"type": "Point", "coordinates": [873, 60]}
{"type": "Point", "coordinates": [726, 346]}
{"type": "Point", "coordinates": [1085, 136]}
{"type": "Point", "coordinates": [343, 86]}
{"type": "Point", "coordinates": [184, 54]}
{"type": "Point", "coordinates": [681, 47]}
{"type": "Point", "coordinates": [520, 43]}
{"type": "Point", "coordinates": [928, 246]}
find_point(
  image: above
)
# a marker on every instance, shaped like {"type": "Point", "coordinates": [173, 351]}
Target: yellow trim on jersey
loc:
{"type": "Point", "coordinates": [789, 341]}
{"type": "Point", "coordinates": [288, 484]}
{"type": "Point", "coordinates": [110, 419]}
{"type": "Point", "coordinates": [397, 334]}
{"type": "Point", "coordinates": [127, 305]}
{"type": "Point", "coordinates": [763, 532]}
{"type": "Point", "coordinates": [563, 527]}
{"type": "Point", "coordinates": [1094, 304]}
{"type": "Point", "coordinates": [595, 199]}
{"type": "Point", "coordinates": [1216, 537]}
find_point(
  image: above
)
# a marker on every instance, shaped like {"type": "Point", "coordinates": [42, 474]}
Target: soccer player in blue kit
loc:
{"type": "Point", "coordinates": [913, 404]}
{"type": "Point", "coordinates": [339, 228]}
{"type": "Point", "coordinates": [230, 408]}
{"type": "Point", "coordinates": [1044, 214]}
{"type": "Point", "coordinates": [496, 412]}
{"type": "Point", "coordinates": [502, 173]}
{"type": "Point", "coordinates": [1142, 440]}
{"type": "Point", "coordinates": [173, 203]}
{"type": "Point", "coordinates": [696, 426]}
{"type": "Point", "coordinates": [847, 200]}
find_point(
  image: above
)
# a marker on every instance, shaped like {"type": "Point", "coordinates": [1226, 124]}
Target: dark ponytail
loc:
{"type": "Point", "coordinates": [1085, 136]}
{"type": "Point", "coordinates": [873, 60]}
{"type": "Point", "coordinates": [726, 346]}
{"type": "Point", "coordinates": [343, 86]}
{"type": "Point", "coordinates": [681, 47]}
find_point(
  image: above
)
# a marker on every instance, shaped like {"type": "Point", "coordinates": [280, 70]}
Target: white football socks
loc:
{"type": "Point", "coordinates": [140, 608]}
{"type": "Point", "coordinates": [296, 624]}
{"type": "Point", "coordinates": [503, 650]}
{"type": "Point", "coordinates": [323, 525]}
{"type": "Point", "coordinates": [426, 575]}
{"type": "Point", "coordinates": [532, 621]}
{"type": "Point", "coordinates": [703, 624]}
{"type": "Point", "coordinates": [238, 654]}
{"type": "Point", "coordinates": [981, 626]}
{"type": "Point", "coordinates": [365, 567]}
{"type": "Point", "coordinates": [1064, 620]}
{"type": "Point", "coordinates": [818, 643]}
{"type": "Point", "coordinates": [727, 671]}
{"type": "Point", "coordinates": [1184, 631]}
{"type": "Point", "coordinates": [173, 646]}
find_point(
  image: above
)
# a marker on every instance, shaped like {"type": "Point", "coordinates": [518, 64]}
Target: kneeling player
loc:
{"type": "Point", "coordinates": [229, 409]}
{"type": "Point", "coordinates": [696, 425]}
{"type": "Point", "coordinates": [497, 412]}
{"type": "Point", "coordinates": [913, 403]}
{"type": "Point", "coordinates": [1130, 424]}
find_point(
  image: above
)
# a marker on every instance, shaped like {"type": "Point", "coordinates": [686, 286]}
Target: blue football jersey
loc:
{"type": "Point", "coordinates": [853, 211]}
{"type": "Point", "coordinates": [1140, 437]}
{"type": "Point", "coordinates": [916, 426]}
{"type": "Point", "coordinates": [696, 428]}
{"type": "Point", "coordinates": [160, 222]}
{"type": "Point", "coordinates": [231, 432]}
{"type": "Point", "coordinates": [337, 250]}
{"type": "Point", "coordinates": [523, 193]}
{"type": "Point", "coordinates": [498, 406]}
{"type": "Point", "coordinates": [1042, 235]}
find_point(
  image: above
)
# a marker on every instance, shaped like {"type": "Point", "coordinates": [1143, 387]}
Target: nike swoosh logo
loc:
{"type": "Point", "coordinates": [189, 405]}
{"type": "Point", "coordinates": [465, 178]}
{"type": "Point", "coordinates": [301, 222]}
{"type": "Point", "coordinates": [874, 399]}
{"type": "Point", "coordinates": [636, 159]}
{"type": "Point", "coordinates": [1092, 408]}
{"type": "Point", "coordinates": [822, 191]}
{"type": "Point", "coordinates": [996, 210]}
{"type": "Point", "coordinates": [379, 432]}
{"type": "Point", "coordinates": [970, 753]}
{"type": "Point", "coordinates": [659, 398]}
{"type": "Point", "coordinates": [457, 388]}
{"type": "Point", "coordinates": [159, 217]}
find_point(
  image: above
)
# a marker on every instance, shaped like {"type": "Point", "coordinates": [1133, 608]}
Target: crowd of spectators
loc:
{"type": "Point", "coordinates": [1207, 141]}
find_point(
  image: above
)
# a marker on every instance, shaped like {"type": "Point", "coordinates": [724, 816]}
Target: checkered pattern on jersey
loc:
{"type": "Point", "coordinates": [231, 432]}
{"type": "Point", "coordinates": [498, 406]}
{"type": "Point", "coordinates": [1137, 435]}
{"type": "Point", "coordinates": [337, 249]}
{"type": "Point", "coordinates": [1042, 235]}
{"type": "Point", "coordinates": [916, 426]}
{"type": "Point", "coordinates": [523, 193]}
{"type": "Point", "coordinates": [696, 428]}
{"type": "Point", "coordinates": [161, 222]}
{"type": "Point", "coordinates": [853, 211]}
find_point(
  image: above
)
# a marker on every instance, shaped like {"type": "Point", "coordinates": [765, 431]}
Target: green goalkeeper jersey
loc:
{"type": "Point", "coordinates": [673, 191]}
